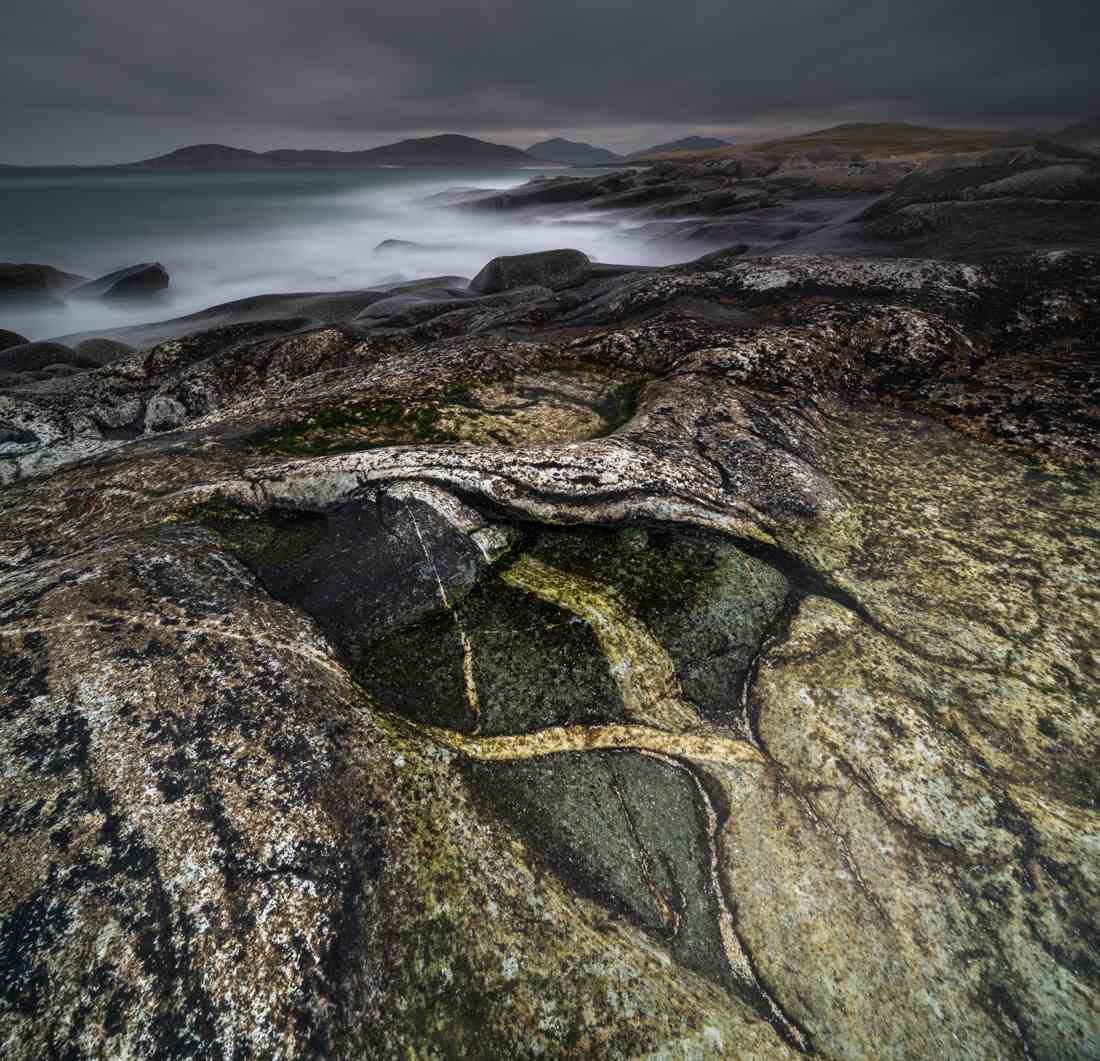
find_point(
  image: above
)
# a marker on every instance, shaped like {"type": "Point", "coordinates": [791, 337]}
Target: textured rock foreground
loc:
{"type": "Point", "coordinates": [684, 663]}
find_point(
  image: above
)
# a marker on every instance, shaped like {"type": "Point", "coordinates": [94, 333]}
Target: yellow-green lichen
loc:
{"type": "Point", "coordinates": [530, 409]}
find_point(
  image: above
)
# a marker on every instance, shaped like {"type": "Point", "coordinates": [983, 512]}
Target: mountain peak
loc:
{"type": "Point", "coordinates": [201, 155]}
{"type": "Point", "coordinates": [688, 143]}
{"type": "Point", "coordinates": [571, 152]}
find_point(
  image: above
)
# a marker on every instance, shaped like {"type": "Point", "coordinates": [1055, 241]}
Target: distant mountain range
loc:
{"type": "Point", "coordinates": [688, 143]}
{"type": "Point", "coordinates": [447, 149]}
{"type": "Point", "coordinates": [572, 153]}
{"type": "Point", "coordinates": [872, 139]}
{"type": "Point", "coordinates": [450, 149]}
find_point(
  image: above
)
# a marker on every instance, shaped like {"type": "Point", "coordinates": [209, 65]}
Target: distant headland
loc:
{"type": "Point", "coordinates": [456, 150]}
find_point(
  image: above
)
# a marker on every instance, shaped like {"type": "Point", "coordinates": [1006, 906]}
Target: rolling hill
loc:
{"type": "Point", "coordinates": [448, 149]}
{"type": "Point", "coordinates": [693, 144]}
{"type": "Point", "coordinates": [866, 139]}
{"type": "Point", "coordinates": [571, 153]}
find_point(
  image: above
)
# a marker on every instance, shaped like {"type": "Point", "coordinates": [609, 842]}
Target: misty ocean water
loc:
{"type": "Point", "coordinates": [224, 235]}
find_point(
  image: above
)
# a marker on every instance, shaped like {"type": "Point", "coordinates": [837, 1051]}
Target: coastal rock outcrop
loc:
{"type": "Point", "coordinates": [962, 207]}
{"type": "Point", "coordinates": [673, 663]}
{"type": "Point", "coordinates": [552, 269]}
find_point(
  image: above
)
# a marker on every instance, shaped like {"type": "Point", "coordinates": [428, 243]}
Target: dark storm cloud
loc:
{"type": "Point", "coordinates": [99, 79]}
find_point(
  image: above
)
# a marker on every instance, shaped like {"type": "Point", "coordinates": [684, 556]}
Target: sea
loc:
{"type": "Point", "coordinates": [224, 235]}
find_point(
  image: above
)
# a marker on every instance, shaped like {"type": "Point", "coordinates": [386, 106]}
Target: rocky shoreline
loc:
{"type": "Point", "coordinates": [577, 660]}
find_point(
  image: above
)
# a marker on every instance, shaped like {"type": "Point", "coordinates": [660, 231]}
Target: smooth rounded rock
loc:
{"type": "Point", "coordinates": [103, 351]}
{"type": "Point", "coordinates": [144, 279]}
{"type": "Point", "coordinates": [31, 357]}
{"type": "Point", "coordinates": [10, 339]}
{"type": "Point", "coordinates": [553, 269]}
{"type": "Point", "coordinates": [27, 281]}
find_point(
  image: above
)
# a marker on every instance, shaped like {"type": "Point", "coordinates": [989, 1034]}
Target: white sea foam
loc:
{"type": "Point", "coordinates": [229, 235]}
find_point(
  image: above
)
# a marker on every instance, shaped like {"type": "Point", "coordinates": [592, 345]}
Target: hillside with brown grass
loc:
{"type": "Point", "coordinates": [868, 140]}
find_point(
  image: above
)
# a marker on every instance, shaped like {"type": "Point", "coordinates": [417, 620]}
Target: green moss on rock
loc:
{"type": "Point", "coordinates": [531, 409]}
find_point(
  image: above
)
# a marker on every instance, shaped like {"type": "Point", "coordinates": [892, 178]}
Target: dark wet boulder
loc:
{"type": "Point", "coordinates": [31, 357]}
{"type": "Point", "coordinates": [9, 339]}
{"type": "Point", "coordinates": [144, 279]}
{"type": "Point", "coordinates": [553, 269]}
{"type": "Point", "coordinates": [26, 281]}
{"type": "Point", "coordinates": [341, 566]}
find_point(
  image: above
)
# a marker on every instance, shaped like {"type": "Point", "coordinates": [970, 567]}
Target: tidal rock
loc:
{"type": "Point", "coordinates": [553, 269]}
{"type": "Point", "coordinates": [28, 282]}
{"type": "Point", "coordinates": [131, 282]}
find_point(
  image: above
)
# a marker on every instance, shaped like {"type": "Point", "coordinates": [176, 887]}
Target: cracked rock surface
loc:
{"type": "Point", "coordinates": [688, 662]}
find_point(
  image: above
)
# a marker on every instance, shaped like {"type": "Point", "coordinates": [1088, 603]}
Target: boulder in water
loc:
{"type": "Point", "coordinates": [553, 269]}
{"type": "Point", "coordinates": [144, 279]}
{"type": "Point", "coordinates": [25, 281]}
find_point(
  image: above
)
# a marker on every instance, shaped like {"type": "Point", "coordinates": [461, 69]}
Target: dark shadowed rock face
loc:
{"type": "Point", "coordinates": [125, 283]}
{"type": "Point", "coordinates": [9, 339]}
{"type": "Point", "coordinates": [689, 663]}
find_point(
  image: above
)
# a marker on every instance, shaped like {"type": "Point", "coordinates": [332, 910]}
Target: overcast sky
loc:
{"type": "Point", "coordinates": [117, 80]}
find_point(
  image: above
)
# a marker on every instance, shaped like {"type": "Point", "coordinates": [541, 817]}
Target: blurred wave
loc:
{"type": "Point", "coordinates": [224, 235]}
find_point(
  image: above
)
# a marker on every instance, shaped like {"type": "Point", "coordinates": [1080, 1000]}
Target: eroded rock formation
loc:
{"type": "Point", "coordinates": [686, 663]}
